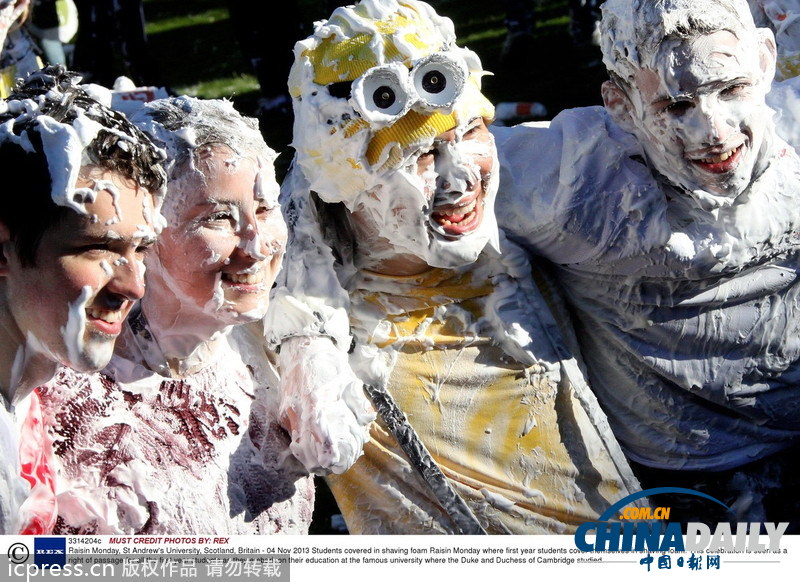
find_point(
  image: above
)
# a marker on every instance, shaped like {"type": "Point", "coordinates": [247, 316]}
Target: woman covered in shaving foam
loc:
{"type": "Point", "coordinates": [390, 201]}
{"type": "Point", "coordinates": [179, 434]}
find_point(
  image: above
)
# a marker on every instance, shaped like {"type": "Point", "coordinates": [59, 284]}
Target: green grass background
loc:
{"type": "Point", "coordinates": [199, 55]}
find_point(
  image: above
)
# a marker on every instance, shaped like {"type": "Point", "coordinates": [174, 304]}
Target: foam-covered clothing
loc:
{"type": "Point", "coordinates": [19, 56]}
{"type": "Point", "coordinates": [687, 313]}
{"type": "Point", "coordinates": [27, 498]}
{"type": "Point", "coordinates": [140, 452]}
{"type": "Point", "coordinates": [781, 16]}
{"type": "Point", "coordinates": [27, 480]}
{"type": "Point", "coordinates": [37, 467]}
{"type": "Point", "coordinates": [784, 99]}
{"type": "Point", "coordinates": [476, 361]}
{"type": "Point", "coordinates": [12, 486]}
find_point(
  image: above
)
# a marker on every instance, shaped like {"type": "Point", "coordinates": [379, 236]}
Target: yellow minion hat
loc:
{"type": "Point", "coordinates": [374, 33]}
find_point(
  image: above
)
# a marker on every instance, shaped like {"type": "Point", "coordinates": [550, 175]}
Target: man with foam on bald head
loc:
{"type": "Point", "coordinates": [484, 422]}
{"type": "Point", "coordinates": [673, 220]}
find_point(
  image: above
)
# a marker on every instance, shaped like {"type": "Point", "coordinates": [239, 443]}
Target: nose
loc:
{"type": "Point", "coordinates": [126, 282]}
{"type": "Point", "coordinates": [454, 173]}
{"type": "Point", "coordinates": [714, 122]}
{"type": "Point", "coordinates": [250, 242]}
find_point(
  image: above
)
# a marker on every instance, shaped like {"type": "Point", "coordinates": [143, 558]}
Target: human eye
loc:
{"type": "Point", "coordinates": [264, 210]}
{"type": "Point", "coordinates": [734, 89]}
{"type": "Point", "coordinates": [144, 248]}
{"type": "Point", "coordinates": [474, 128]}
{"type": "Point", "coordinates": [677, 107]}
{"type": "Point", "coordinates": [93, 249]}
{"type": "Point", "coordinates": [219, 218]}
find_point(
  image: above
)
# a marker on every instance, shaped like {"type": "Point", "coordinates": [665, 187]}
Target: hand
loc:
{"type": "Point", "coordinates": [10, 12]}
{"type": "Point", "coordinates": [323, 404]}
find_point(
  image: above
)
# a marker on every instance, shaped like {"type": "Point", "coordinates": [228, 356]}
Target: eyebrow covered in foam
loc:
{"type": "Point", "coordinates": [142, 236]}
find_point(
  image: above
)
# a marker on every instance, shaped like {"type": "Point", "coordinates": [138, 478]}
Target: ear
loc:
{"type": "Point", "coordinates": [618, 105]}
{"type": "Point", "coordinates": [5, 246]}
{"type": "Point", "coordinates": [767, 54]}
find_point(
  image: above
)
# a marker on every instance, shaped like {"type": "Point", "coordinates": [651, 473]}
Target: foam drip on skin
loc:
{"type": "Point", "coordinates": [64, 147]}
{"type": "Point", "coordinates": [407, 218]}
{"type": "Point", "coordinates": [712, 148]}
{"type": "Point", "coordinates": [152, 216]}
{"type": "Point", "coordinates": [75, 328]}
{"type": "Point", "coordinates": [109, 272]}
{"type": "Point", "coordinates": [31, 349]}
{"type": "Point", "coordinates": [189, 340]}
{"type": "Point", "coordinates": [217, 301]}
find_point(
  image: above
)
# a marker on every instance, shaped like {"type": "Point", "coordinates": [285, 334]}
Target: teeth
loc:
{"type": "Point", "coordinates": [246, 278]}
{"type": "Point", "coordinates": [719, 158]}
{"type": "Point", "coordinates": [457, 215]}
{"type": "Point", "coordinates": [105, 314]}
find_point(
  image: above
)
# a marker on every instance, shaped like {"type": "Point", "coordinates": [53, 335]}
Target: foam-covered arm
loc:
{"type": "Point", "coordinates": [9, 14]}
{"type": "Point", "coordinates": [308, 298]}
{"type": "Point", "coordinates": [323, 404]}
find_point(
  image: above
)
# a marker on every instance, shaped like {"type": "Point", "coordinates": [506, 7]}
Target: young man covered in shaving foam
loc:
{"type": "Point", "coordinates": [81, 190]}
{"type": "Point", "coordinates": [391, 208]}
{"type": "Point", "coordinates": [672, 216]}
{"type": "Point", "coordinates": [179, 434]}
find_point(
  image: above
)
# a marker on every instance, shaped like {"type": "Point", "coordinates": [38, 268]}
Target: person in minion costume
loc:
{"type": "Point", "coordinates": [19, 52]}
{"type": "Point", "coordinates": [425, 371]}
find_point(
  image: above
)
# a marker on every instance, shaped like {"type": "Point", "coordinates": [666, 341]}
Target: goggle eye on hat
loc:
{"type": "Point", "coordinates": [386, 93]}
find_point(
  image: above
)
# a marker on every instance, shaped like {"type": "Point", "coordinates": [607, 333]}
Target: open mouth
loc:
{"type": "Point", "coordinates": [458, 219]}
{"type": "Point", "coordinates": [721, 162]}
{"type": "Point", "coordinates": [106, 320]}
{"type": "Point", "coordinates": [247, 281]}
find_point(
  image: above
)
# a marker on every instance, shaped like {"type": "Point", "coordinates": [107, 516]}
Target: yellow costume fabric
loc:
{"type": "Point", "coordinates": [513, 439]}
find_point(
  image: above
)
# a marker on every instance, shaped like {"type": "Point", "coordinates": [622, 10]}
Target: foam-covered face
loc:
{"type": "Point", "coordinates": [374, 85]}
{"type": "Point", "coordinates": [380, 91]}
{"type": "Point", "coordinates": [223, 244]}
{"type": "Point", "coordinates": [439, 208]}
{"type": "Point", "coordinates": [89, 270]}
{"type": "Point", "coordinates": [702, 117]}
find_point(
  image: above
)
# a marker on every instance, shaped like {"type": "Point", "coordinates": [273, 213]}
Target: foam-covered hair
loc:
{"type": "Point", "coordinates": [50, 104]}
{"type": "Point", "coordinates": [631, 31]}
{"type": "Point", "coordinates": [184, 125]}
{"type": "Point", "coordinates": [50, 128]}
